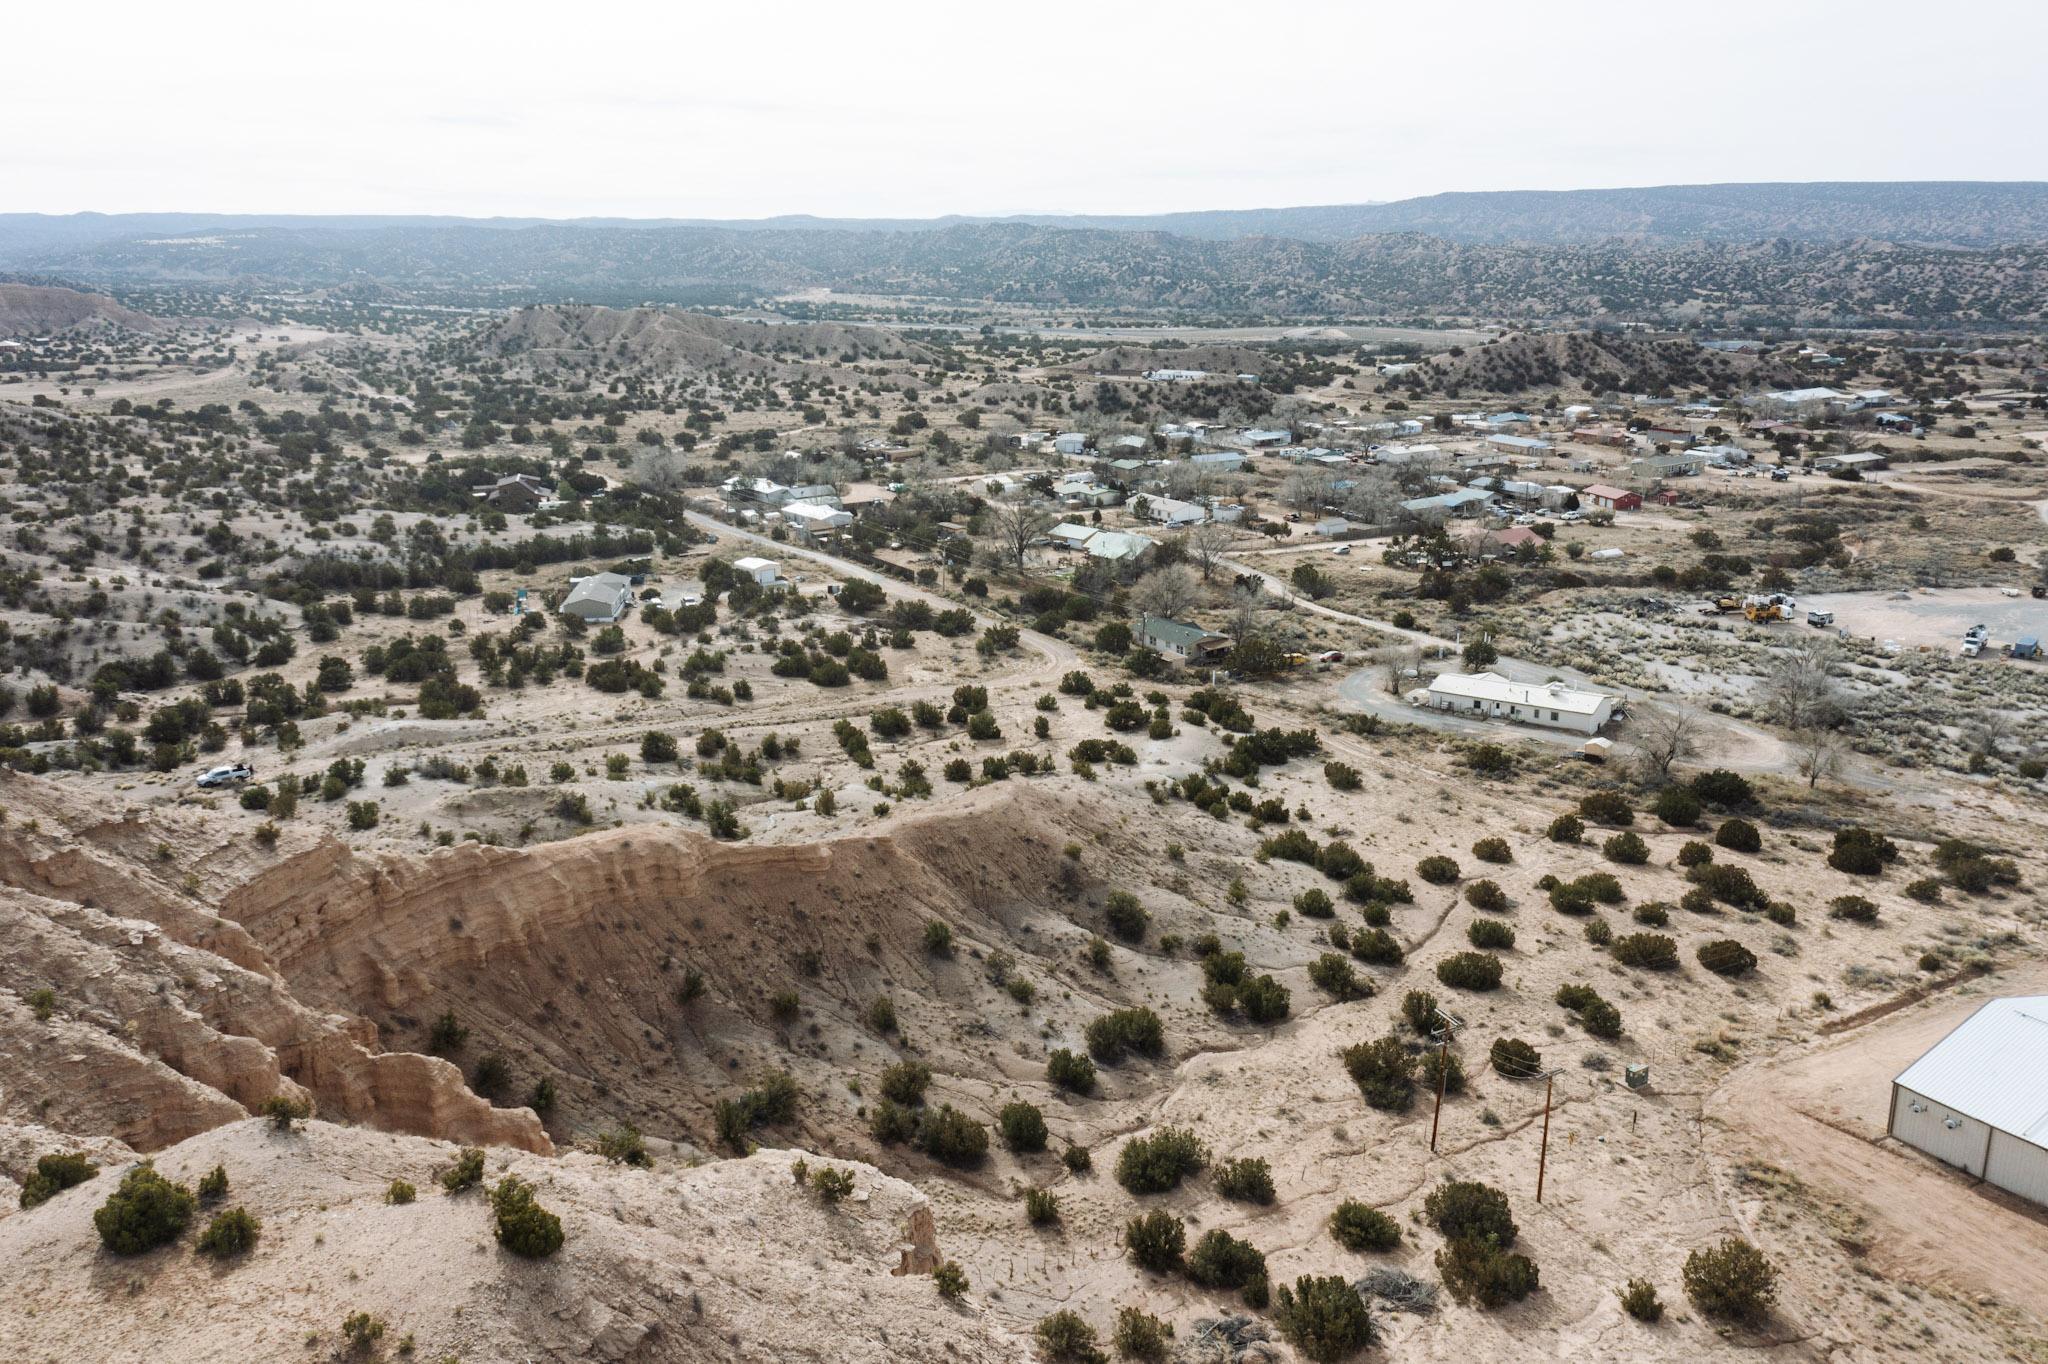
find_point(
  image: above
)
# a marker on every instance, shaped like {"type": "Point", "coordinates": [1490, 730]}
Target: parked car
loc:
{"type": "Point", "coordinates": [1341, 550]}
{"type": "Point", "coordinates": [1525, 519]}
{"type": "Point", "coordinates": [234, 774]}
{"type": "Point", "coordinates": [1330, 656]}
{"type": "Point", "coordinates": [1573, 515]}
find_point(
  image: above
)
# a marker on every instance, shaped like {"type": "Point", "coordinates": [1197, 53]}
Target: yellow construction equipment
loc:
{"type": "Point", "coordinates": [1726, 604]}
{"type": "Point", "coordinates": [1761, 610]}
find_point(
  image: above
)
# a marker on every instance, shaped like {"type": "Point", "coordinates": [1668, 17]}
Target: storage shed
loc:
{"type": "Point", "coordinates": [1977, 1100]}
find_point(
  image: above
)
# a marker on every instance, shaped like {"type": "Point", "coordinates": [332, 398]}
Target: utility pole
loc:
{"type": "Point", "coordinates": [1447, 1023]}
{"type": "Point", "coordinates": [1543, 1154]}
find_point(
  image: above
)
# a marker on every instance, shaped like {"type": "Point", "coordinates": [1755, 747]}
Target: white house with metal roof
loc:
{"type": "Point", "coordinates": [1554, 705]}
{"type": "Point", "coordinates": [1978, 1099]}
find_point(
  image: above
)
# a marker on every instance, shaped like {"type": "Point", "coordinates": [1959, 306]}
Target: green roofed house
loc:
{"type": "Point", "coordinates": [1176, 639]}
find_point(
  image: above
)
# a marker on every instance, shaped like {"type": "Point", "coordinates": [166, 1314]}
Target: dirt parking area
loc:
{"type": "Point", "coordinates": [1933, 617]}
{"type": "Point", "coordinates": [1819, 1114]}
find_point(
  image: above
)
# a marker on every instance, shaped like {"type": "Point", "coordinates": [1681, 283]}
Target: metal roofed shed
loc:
{"type": "Point", "coordinates": [1978, 1099]}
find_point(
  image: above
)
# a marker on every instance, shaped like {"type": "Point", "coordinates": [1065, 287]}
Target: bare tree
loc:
{"type": "Point", "coordinates": [1400, 660]}
{"type": "Point", "coordinates": [1015, 525]}
{"type": "Point", "coordinates": [1246, 619]}
{"type": "Point", "coordinates": [1819, 755]}
{"type": "Point", "coordinates": [659, 469]}
{"type": "Point", "coordinates": [1206, 546]}
{"type": "Point", "coordinates": [1166, 592]}
{"type": "Point", "coordinates": [1801, 690]}
{"type": "Point", "coordinates": [1663, 737]}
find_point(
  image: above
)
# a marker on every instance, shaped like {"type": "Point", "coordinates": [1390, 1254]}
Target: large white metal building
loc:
{"type": "Point", "coordinates": [1551, 704]}
{"type": "Point", "coordinates": [1978, 1099]}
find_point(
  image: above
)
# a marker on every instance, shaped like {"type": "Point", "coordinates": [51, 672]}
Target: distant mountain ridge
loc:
{"type": "Point", "coordinates": [1932, 212]}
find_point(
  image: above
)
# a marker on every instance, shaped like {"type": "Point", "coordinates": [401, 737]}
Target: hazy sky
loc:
{"type": "Point", "coordinates": [912, 109]}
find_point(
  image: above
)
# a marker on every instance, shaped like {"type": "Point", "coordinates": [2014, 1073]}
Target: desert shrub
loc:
{"type": "Point", "coordinates": [1470, 971]}
{"type": "Point", "coordinates": [229, 1234]}
{"type": "Point", "coordinates": [1479, 1273]}
{"type": "Point", "coordinates": [1022, 1126]}
{"type": "Point", "coordinates": [1647, 951]}
{"type": "Point", "coordinates": [1245, 1180]}
{"type": "Point", "coordinates": [1972, 869]}
{"type": "Point", "coordinates": [1569, 897]}
{"type": "Point", "coordinates": [53, 1175]}
{"type": "Point", "coordinates": [1155, 1164]}
{"type": "Point", "coordinates": [1441, 1069]}
{"type": "Point", "coordinates": [1156, 1241]}
{"type": "Point", "coordinates": [1677, 807]}
{"type": "Point", "coordinates": [1041, 1207]}
{"type": "Point", "coordinates": [1601, 886]}
{"type": "Point", "coordinates": [1484, 894]}
{"type": "Point", "coordinates": [1376, 947]}
{"type": "Point", "coordinates": [1340, 862]}
{"type": "Point", "coordinates": [1071, 1071]}
{"type": "Point", "coordinates": [1065, 1337]}
{"type": "Point", "coordinates": [1418, 1010]}
{"type": "Point", "coordinates": [1729, 884]}
{"type": "Point", "coordinates": [1324, 1319]}
{"type": "Point", "coordinates": [1566, 829]}
{"type": "Point", "coordinates": [906, 1081]}
{"type": "Point", "coordinates": [1220, 1260]}
{"type": "Point", "coordinates": [1493, 850]}
{"type": "Point", "coordinates": [1854, 908]}
{"type": "Point", "coordinates": [1861, 852]}
{"type": "Point", "coordinates": [523, 1226]}
{"type": "Point", "coordinates": [400, 1192]}
{"type": "Point", "coordinates": [1627, 848]}
{"type": "Point", "coordinates": [951, 1137]}
{"type": "Point", "coordinates": [623, 1145]}
{"type": "Point", "coordinates": [1357, 1227]}
{"type": "Point", "coordinates": [362, 1332]}
{"type": "Point", "coordinates": [1466, 1209]}
{"type": "Point", "coordinates": [467, 1171]}
{"type": "Point", "coordinates": [1639, 1300]}
{"type": "Point", "coordinates": [1927, 890]}
{"type": "Point", "coordinates": [1438, 870]}
{"type": "Point", "coordinates": [1781, 913]}
{"type": "Point", "coordinates": [1651, 914]}
{"type": "Point", "coordinates": [1726, 957]}
{"type": "Point", "coordinates": [1599, 933]}
{"type": "Point", "coordinates": [1291, 845]}
{"type": "Point", "coordinates": [213, 1185]}
{"type": "Point", "coordinates": [286, 1113]}
{"type": "Point", "coordinates": [1376, 915]}
{"type": "Point", "coordinates": [1724, 789]}
{"type": "Point", "coordinates": [1125, 1032]}
{"type": "Point", "coordinates": [1264, 1000]}
{"type": "Point", "coordinates": [1125, 916]}
{"type": "Point", "coordinates": [1515, 1058]}
{"type": "Point", "coordinates": [938, 937]}
{"type": "Point", "coordinates": [1601, 1019]}
{"type": "Point", "coordinates": [1732, 1280]}
{"type": "Point", "coordinates": [951, 1281]}
{"type": "Point", "coordinates": [1739, 835]}
{"type": "Point", "coordinates": [1141, 1336]}
{"type": "Point", "coordinates": [1490, 933]}
{"type": "Point", "coordinates": [1606, 807]}
{"type": "Point", "coordinates": [1383, 1071]}
{"type": "Point", "coordinates": [1342, 776]}
{"type": "Point", "coordinates": [888, 1123]}
{"type": "Point", "coordinates": [1314, 903]}
{"type": "Point", "coordinates": [1697, 901]}
{"type": "Point", "coordinates": [1332, 974]}
{"type": "Point", "coordinates": [1595, 1014]}
{"type": "Point", "coordinates": [145, 1212]}
{"type": "Point", "coordinates": [1694, 854]}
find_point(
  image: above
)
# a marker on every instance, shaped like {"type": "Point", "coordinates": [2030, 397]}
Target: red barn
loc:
{"type": "Point", "coordinates": [1608, 498]}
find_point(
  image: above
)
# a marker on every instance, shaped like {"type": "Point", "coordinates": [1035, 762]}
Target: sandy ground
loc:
{"type": "Point", "coordinates": [1819, 1112]}
{"type": "Point", "coordinates": [1935, 617]}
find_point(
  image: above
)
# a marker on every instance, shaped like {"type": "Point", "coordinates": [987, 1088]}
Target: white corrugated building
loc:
{"type": "Point", "coordinates": [1978, 1099]}
{"type": "Point", "coordinates": [1554, 705]}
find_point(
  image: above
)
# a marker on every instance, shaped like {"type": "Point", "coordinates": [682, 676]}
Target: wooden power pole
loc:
{"type": "Point", "coordinates": [1543, 1154]}
{"type": "Point", "coordinates": [1447, 1023]}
